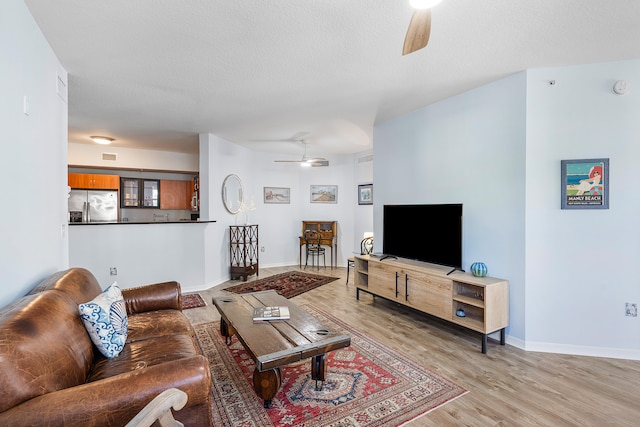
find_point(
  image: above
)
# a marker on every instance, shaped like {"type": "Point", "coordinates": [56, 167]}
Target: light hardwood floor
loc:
{"type": "Point", "coordinates": [508, 386]}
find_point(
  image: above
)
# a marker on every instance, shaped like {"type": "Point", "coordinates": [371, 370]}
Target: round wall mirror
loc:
{"type": "Point", "coordinates": [232, 194]}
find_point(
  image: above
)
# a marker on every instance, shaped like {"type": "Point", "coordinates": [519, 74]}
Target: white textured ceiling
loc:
{"type": "Point", "coordinates": [156, 73]}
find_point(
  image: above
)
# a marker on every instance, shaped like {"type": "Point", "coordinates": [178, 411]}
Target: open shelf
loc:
{"type": "Point", "coordinates": [361, 273]}
{"type": "Point", "coordinates": [469, 301]}
{"type": "Point", "coordinates": [468, 294]}
{"type": "Point", "coordinates": [473, 318]}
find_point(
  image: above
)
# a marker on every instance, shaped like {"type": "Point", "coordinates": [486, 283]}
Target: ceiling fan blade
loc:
{"type": "Point", "coordinates": [299, 136]}
{"type": "Point", "coordinates": [307, 161]}
{"type": "Point", "coordinates": [418, 32]}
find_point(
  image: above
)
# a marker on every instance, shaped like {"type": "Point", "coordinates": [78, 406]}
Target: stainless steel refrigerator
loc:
{"type": "Point", "coordinates": [95, 205]}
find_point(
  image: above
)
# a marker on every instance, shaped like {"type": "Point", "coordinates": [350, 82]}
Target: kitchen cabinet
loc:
{"type": "Point", "coordinates": [93, 181]}
{"type": "Point", "coordinates": [139, 193]}
{"type": "Point", "coordinates": [175, 194]}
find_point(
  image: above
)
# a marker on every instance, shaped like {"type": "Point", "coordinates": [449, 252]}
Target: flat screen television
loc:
{"type": "Point", "coordinates": [429, 233]}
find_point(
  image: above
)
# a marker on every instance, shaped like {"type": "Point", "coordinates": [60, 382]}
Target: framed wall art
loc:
{"type": "Point", "coordinates": [585, 184]}
{"type": "Point", "coordinates": [324, 194]}
{"type": "Point", "coordinates": [277, 195]}
{"type": "Point", "coordinates": [365, 194]}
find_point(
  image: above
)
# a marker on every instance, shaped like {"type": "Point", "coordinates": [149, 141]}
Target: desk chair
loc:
{"type": "Point", "coordinates": [366, 248]}
{"type": "Point", "coordinates": [314, 248]}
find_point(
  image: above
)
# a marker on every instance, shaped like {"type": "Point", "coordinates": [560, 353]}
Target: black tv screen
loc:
{"type": "Point", "coordinates": [429, 233]}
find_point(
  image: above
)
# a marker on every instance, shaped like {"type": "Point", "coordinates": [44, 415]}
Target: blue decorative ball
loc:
{"type": "Point", "coordinates": [479, 269]}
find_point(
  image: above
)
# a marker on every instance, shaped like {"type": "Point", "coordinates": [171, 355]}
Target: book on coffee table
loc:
{"type": "Point", "coordinates": [262, 314]}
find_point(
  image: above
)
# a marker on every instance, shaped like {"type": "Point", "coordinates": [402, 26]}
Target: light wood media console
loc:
{"type": "Point", "coordinates": [429, 289]}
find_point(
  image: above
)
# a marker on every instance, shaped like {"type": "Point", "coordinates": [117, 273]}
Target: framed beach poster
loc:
{"type": "Point", "coordinates": [585, 184]}
{"type": "Point", "coordinates": [365, 194]}
{"type": "Point", "coordinates": [277, 195]}
{"type": "Point", "coordinates": [324, 194]}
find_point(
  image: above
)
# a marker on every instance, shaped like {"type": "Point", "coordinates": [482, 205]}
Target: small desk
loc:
{"type": "Point", "coordinates": [329, 237]}
{"type": "Point", "coordinates": [326, 242]}
{"type": "Point", "coordinates": [277, 343]}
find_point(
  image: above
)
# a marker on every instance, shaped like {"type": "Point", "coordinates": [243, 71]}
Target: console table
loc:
{"type": "Point", "coordinates": [328, 237]}
{"type": "Point", "coordinates": [477, 303]}
{"type": "Point", "coordinates": [243, 250]}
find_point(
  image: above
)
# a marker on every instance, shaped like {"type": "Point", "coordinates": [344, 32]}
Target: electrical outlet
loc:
{"type": "Point", "coordinates": [113, 271]}
{"type": "Point", "coordinates": [631, 309]}
{"type": "Point", "coordinates": [261, 248]}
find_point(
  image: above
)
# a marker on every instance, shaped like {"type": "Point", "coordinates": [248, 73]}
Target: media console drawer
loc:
{"type": "Point", "coordinates": [477, 303]}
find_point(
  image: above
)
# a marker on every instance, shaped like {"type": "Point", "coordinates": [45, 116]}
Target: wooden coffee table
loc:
{"type": "Point", "coordinates": [276, 343]}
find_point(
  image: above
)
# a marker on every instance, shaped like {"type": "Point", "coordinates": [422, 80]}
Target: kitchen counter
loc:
{"type": "Point", "coordinates": [150, 252]}
{"type": "Point", "coordinates": [138, 223]}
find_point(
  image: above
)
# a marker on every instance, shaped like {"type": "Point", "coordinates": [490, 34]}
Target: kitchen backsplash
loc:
{"type": "Point", "coordinates": [154, 215]}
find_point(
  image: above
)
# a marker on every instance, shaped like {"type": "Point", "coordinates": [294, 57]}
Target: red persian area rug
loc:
{"type": "Point", "coordinates": [192, 301]}
{"type": "Point", "coordinates": [367, 385]}
{"type": "Point", "coordinates": [287, 284]}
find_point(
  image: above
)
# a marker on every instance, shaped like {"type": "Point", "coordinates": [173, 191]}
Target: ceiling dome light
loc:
{"type": "Point", "coordinates": [104, 140]}
{"type": "Point", "coordinates": [423, 4]}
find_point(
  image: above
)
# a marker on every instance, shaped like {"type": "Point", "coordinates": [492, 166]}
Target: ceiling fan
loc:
{"type": "Point", "coordinates": [420, 26]}
{"type": "Point", "coordinates": [307, 161]}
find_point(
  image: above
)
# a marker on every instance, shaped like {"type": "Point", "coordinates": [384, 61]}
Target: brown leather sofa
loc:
{"type": "Point", "coordinates": [51, 374]}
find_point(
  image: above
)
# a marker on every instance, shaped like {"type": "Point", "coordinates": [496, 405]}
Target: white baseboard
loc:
{"type": "Point", "coordinates": [516, 342]}
{"type": "Point", "coordinates": [577, 350]}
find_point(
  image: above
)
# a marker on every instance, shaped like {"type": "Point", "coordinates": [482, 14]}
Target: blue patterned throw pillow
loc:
{"type": "Point", "coordinates": [105, 318]}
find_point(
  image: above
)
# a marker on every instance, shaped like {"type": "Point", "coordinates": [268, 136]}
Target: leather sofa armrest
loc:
{"type": "Point", "coordinates": [114, 401]}
{"type": "Point", "coordinates": [156, 296]}
{"type": "Point", "coordinates": [159, 409]}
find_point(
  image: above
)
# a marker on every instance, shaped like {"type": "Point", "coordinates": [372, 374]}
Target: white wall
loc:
{"type": "Point", "coordinates": [219, 158]}
{"type": "Point", "coordinates": [582, 264]}
{"type": "Point", "coordinates": [363, 214]}
{"type": "Point", "coordinates": [142, 253]}
{"type": "Point", "coordinates": [497, 150]}
{"type": "Point", "coordinates": [33, 228]}
{"type": "Point", "coordinates": [468, 149]}
{"type": "Point", "coordinates": [131, 158]}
